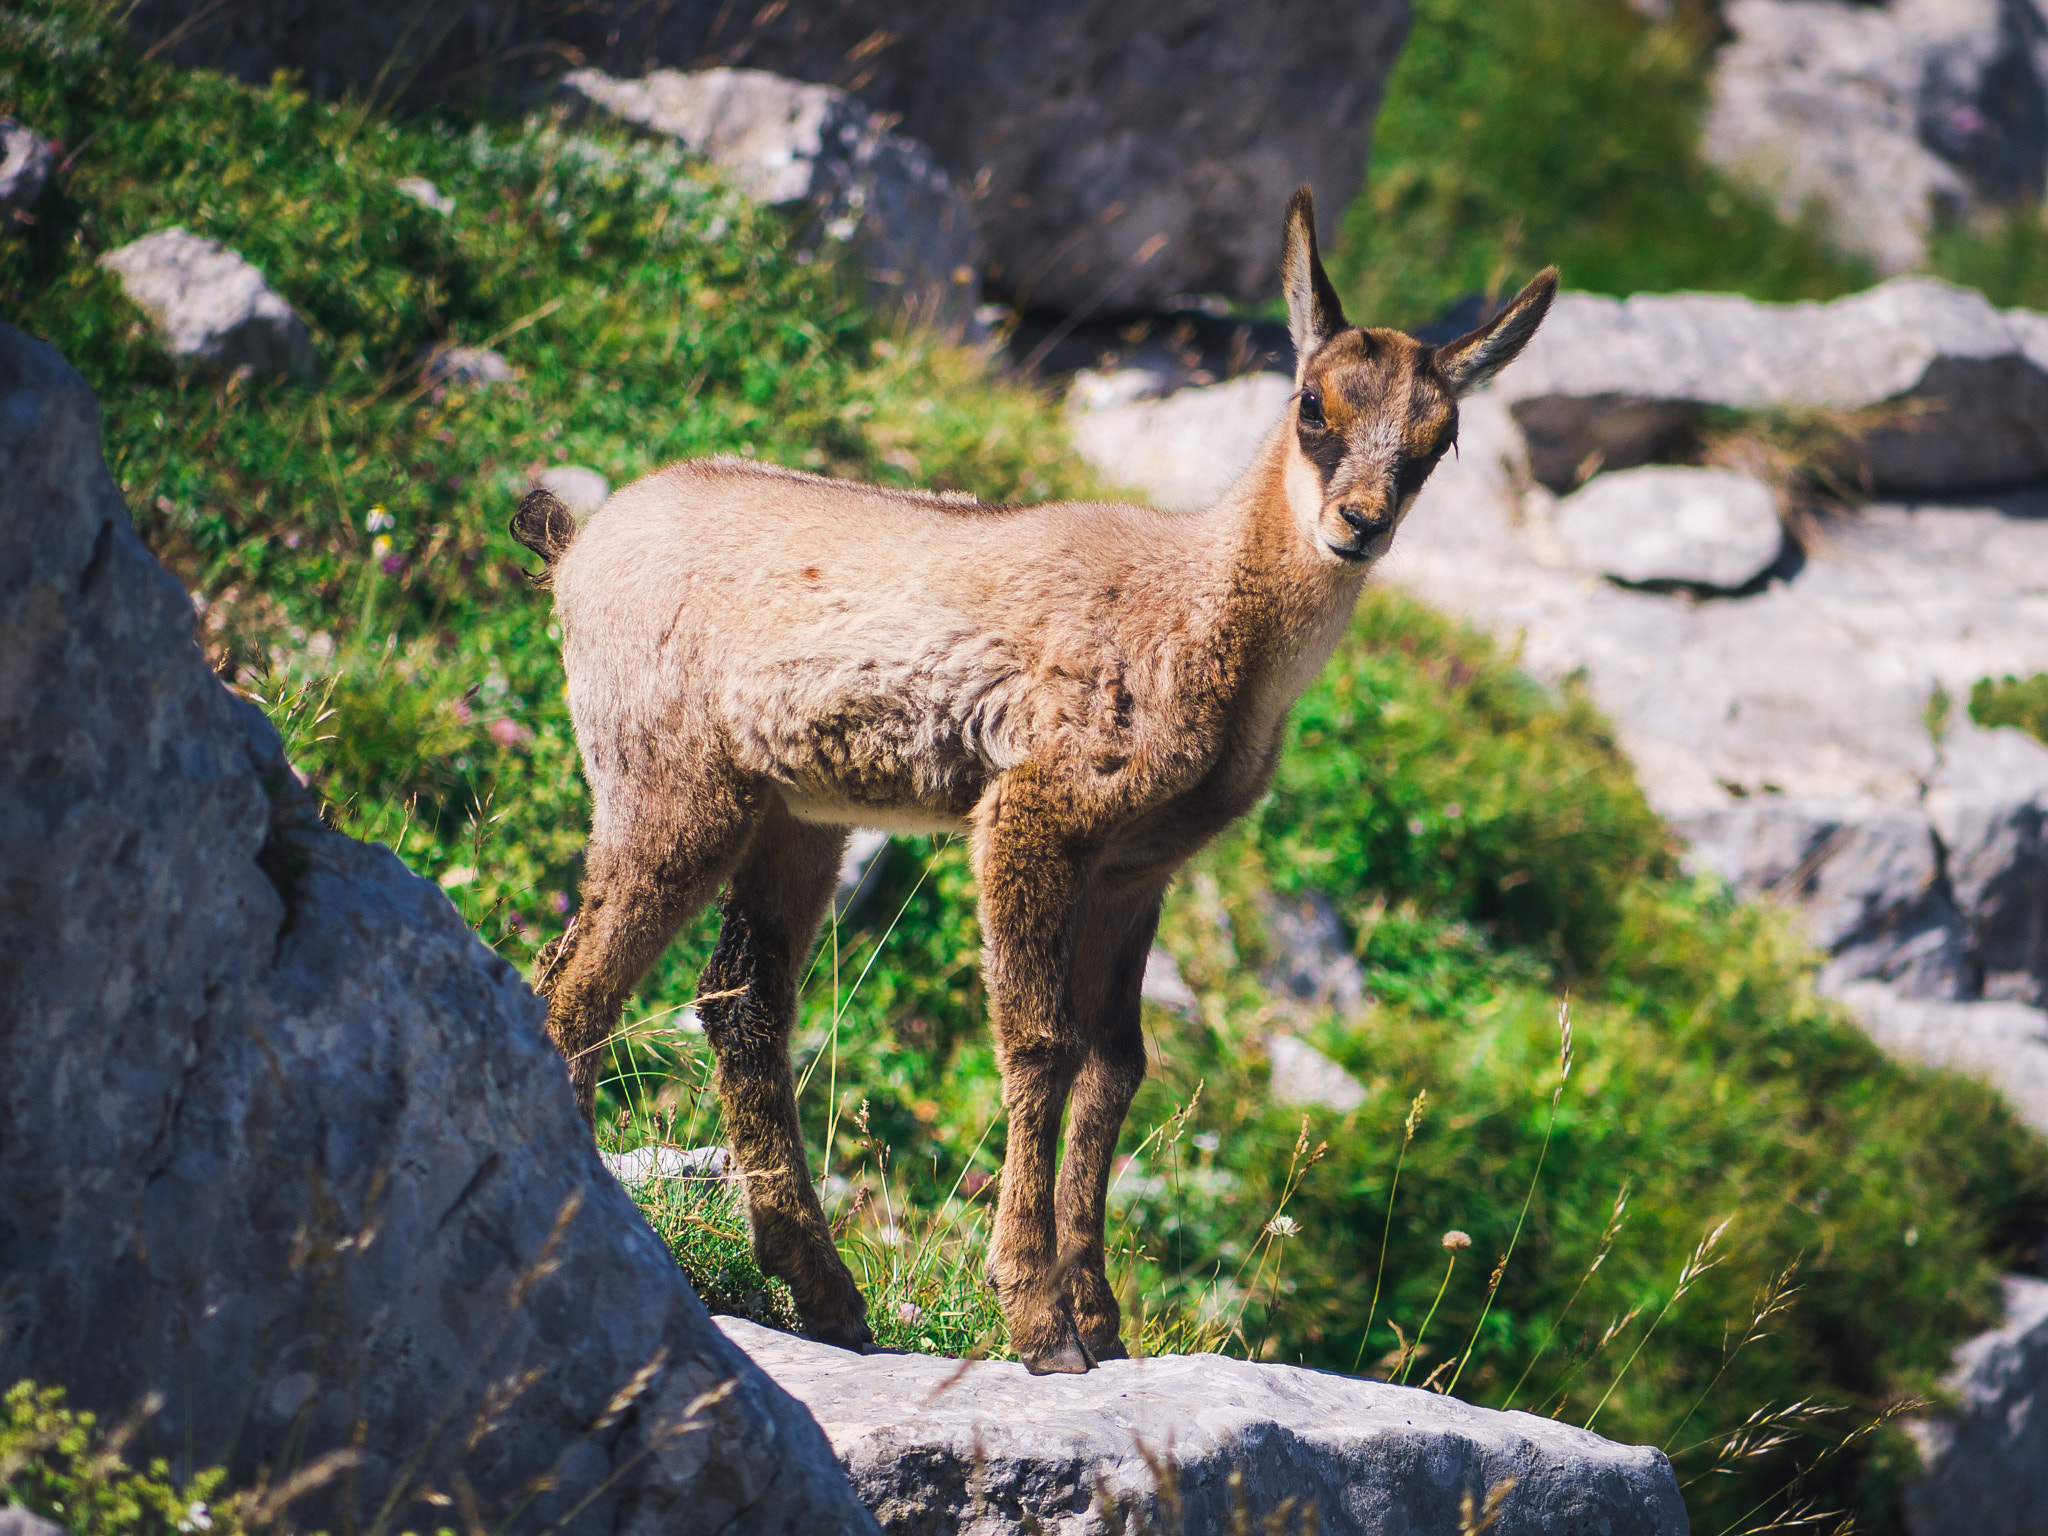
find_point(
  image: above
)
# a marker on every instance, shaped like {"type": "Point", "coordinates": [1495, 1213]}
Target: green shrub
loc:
{"type": "Point", "coordinates": [63, 1466]}
{"type": "Point", "coordinates": [1518, 133]}
{"type": "Point", "coordinates": [2020, 701]}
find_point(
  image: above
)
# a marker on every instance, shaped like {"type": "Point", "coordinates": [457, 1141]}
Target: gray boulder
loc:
{"type": "Point", "coordinates": [1312, 966]}
{"type": "Point", "coordinates": [1672, 524]}
{"type": "Point", "coordinates": [1885, 117]}
{"type": "Point", "coordinates": [1956, 392]}
{"type": "Point", "coordinates": [858, 867]}
{"type": "Point", "coordinates": [1988, 806]}
{"type": "Point", "coordinates": [281, 1122]}
{"type": "Point", "coordinates": [1119, 155]}
{"type": "Point", "coordinates": [1165, 987]}
{"type": "Point", "coordinates": [953, 1448]}
{"type": "Point", "coordinates": [213, 311]}
{"type": "Point", "coordinates": [471, 367]}
{"type": "Point", "coordinates": [16, 1521]}
{"type": "Point", "coordinates": [2003, 1044]}
{"type": "Point", "coordinates": [1785, 734]}
{"type": "Point", "coordinates": [1304, 1078]}
{"type": "Point", "coordinates": [815, 148]}
{"type": "Point", "coordinates": [1181, 451]}
{"type": "Point", "coordinates": [426, 194]}
{"type": "Point", "coordinates": [1986, 1458]}
{"type": "Point", "coordinates": [25, 165]}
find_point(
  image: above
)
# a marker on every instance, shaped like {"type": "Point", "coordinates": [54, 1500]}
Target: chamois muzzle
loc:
{"type": "Point", "coordinates": [1373, 531]}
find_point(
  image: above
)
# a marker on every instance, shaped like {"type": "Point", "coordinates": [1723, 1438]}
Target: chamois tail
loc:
{"type": "Point", "coordinates": [544, 526]}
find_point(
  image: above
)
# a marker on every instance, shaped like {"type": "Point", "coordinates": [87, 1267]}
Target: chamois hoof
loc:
{"type": "Point", "coordinates": [857, 1338]}
{"type": "Point", "coordinates": [1113, 1350]}
{"type": "Point", "coordinates": [1068, 1359]}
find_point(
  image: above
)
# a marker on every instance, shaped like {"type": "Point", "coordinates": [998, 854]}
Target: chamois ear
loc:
{"type": "Point", "coordinates": [1471, 360]}
{"type": "Point", "coordinates": [1314, 313]}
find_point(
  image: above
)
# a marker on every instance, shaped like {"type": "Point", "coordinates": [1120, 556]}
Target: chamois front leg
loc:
{"type": "Point", "coordinates": [1031, 872]}
{"type": "Point", "coordinates": [772, 908]}
{"type": "Point", "coordinates": [1113, 943]}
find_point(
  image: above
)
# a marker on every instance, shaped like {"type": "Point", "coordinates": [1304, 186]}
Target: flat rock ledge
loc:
{"type": "Point", "coordinates": [941, 1448]}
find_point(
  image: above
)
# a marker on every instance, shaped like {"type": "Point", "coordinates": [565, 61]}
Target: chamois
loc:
{"type": "Point", "coordinates": [760, 660]}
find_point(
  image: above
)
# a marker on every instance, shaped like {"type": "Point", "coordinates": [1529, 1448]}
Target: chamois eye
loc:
{"type": "Point", "coordinates": [1311, 408]}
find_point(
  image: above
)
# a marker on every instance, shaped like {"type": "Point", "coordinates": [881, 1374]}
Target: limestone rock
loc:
{"type": "Point", "coordinates": [2004, 1044]}
{"type": "Point", "coordinates": [1987, 1458]}
{"type": "Point", "coordinates": [471, 367]}
{"type": "Point", "coordinates": [1672, 524]}
{"type": "Point", "coordinates": [1988, 805]}
{"type": "Point", "coordinates": [15, 1521]}
{"type": "Point", "coordinates": [791, 144]}
{"type": "Point", "coordinates": [1120, 155]}
{"type": "Point", "coordinates": [1305, 1078]}
{"type": "Point", "coordinates": [578, 488]}
{"type": "Point", "coordinates": [25, 165]}
{"type": "Point", "coordinates": [213, 310]}
{"type": "Point", "coordinates": [271, 1105]}
{"type": "Point", "coordinates": [865, 850]}
{"type": "Point", "coordinates": [956, 1449]}
{"type": "Point", "coordinates": [1963, 389]}
{"type": "Point", "coordinates": [1785, 734]}
{"type": "Point", "coordinates": [426, 194]}
{"type": "Point", "coordinates": [1165, 987]}
{"type": "Point", "coordinates": [1181, 452]}
{"type": "Point", "coordinates": [647, 1164]}
{"type": "Point", "coordinates": [1885, 116]}
{"type": "Point", "coordinates": [1312, 965]}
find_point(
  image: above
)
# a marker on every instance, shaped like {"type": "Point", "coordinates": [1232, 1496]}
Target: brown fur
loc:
{"type": "Point", "coordinates": [760, 659]}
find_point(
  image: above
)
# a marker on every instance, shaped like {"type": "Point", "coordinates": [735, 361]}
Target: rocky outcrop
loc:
{"type": "Point", "coordinates": [816, 150]}
{"type": "Point", "coordinates": [1887, 117]}
{"type": "Point", "coordinates": [1304, 1078]}
{"type": "Point", "coordinates": [1953, 394]}
{"type": "Point", "coordinates": [25, 165]}
{"type": "Point", "coordinates": [1986, 1458]}
{"type": "Point", "coordinates": [954, 1448]}
{"type": "Point", "coordinates": [212, 310]}
{"type": "Point", "coordinates": [1788, 727]}
{"type": "Point", "coordinates": [1119, 155]}
{"type": "Point", "coordinates": [470, 367]}
{"type": "Point", "coordinates": [279, 1137]}
{"type": "Point", "coordinates": [1182, 450]}
{"type": "Point", "coordinates": [1672, 525]}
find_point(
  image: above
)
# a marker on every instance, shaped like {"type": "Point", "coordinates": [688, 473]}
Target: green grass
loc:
{"type": "Point", "coordinates": [1481, 837]}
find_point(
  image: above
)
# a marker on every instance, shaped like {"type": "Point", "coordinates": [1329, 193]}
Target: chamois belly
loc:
{"type": "Point", "coordinates": [874, 746]}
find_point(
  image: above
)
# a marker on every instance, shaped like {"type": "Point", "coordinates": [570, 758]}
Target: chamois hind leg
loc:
{"type": "Point", "coordinates": [1031, 877]}
{"type": "Point", "coordinates": [772, 908]}
{"type": "Point", "coordinates": [654, 861]}
{"type": "Point", "coordinates": [1115, 937]}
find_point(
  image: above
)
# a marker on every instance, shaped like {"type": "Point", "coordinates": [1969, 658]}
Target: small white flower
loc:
{"type": "Point", "coordinates": [201, 1520]}
{"type": "Point", "coordinates": [910, 1314]}
{"type": "Point", "coordinates": [380, 546]}
{"type": "Point", "coordinates": [379, 520]}
{"type": "Point", "coordinates": [1283, 1226]}
{"type": "Point", "coordinates": [1208, 1141]}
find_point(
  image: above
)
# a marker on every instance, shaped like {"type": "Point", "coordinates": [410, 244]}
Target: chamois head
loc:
{"type": "Point", "coordinates": [1375, 410]}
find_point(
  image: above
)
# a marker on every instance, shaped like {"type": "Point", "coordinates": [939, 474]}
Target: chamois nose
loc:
{"type": "Point", "coordinates": [1366, 524]}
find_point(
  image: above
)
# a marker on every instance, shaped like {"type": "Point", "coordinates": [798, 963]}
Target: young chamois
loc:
{"type": "Point", "coordinates": [760, 660]}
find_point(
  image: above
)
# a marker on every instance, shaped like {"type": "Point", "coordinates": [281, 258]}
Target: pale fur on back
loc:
{"type": "Point", "coordinates": [878, 655]}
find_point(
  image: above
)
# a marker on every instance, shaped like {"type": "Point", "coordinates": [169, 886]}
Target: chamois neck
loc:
{"type": "Point", "coordinates": [1287, 602]}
